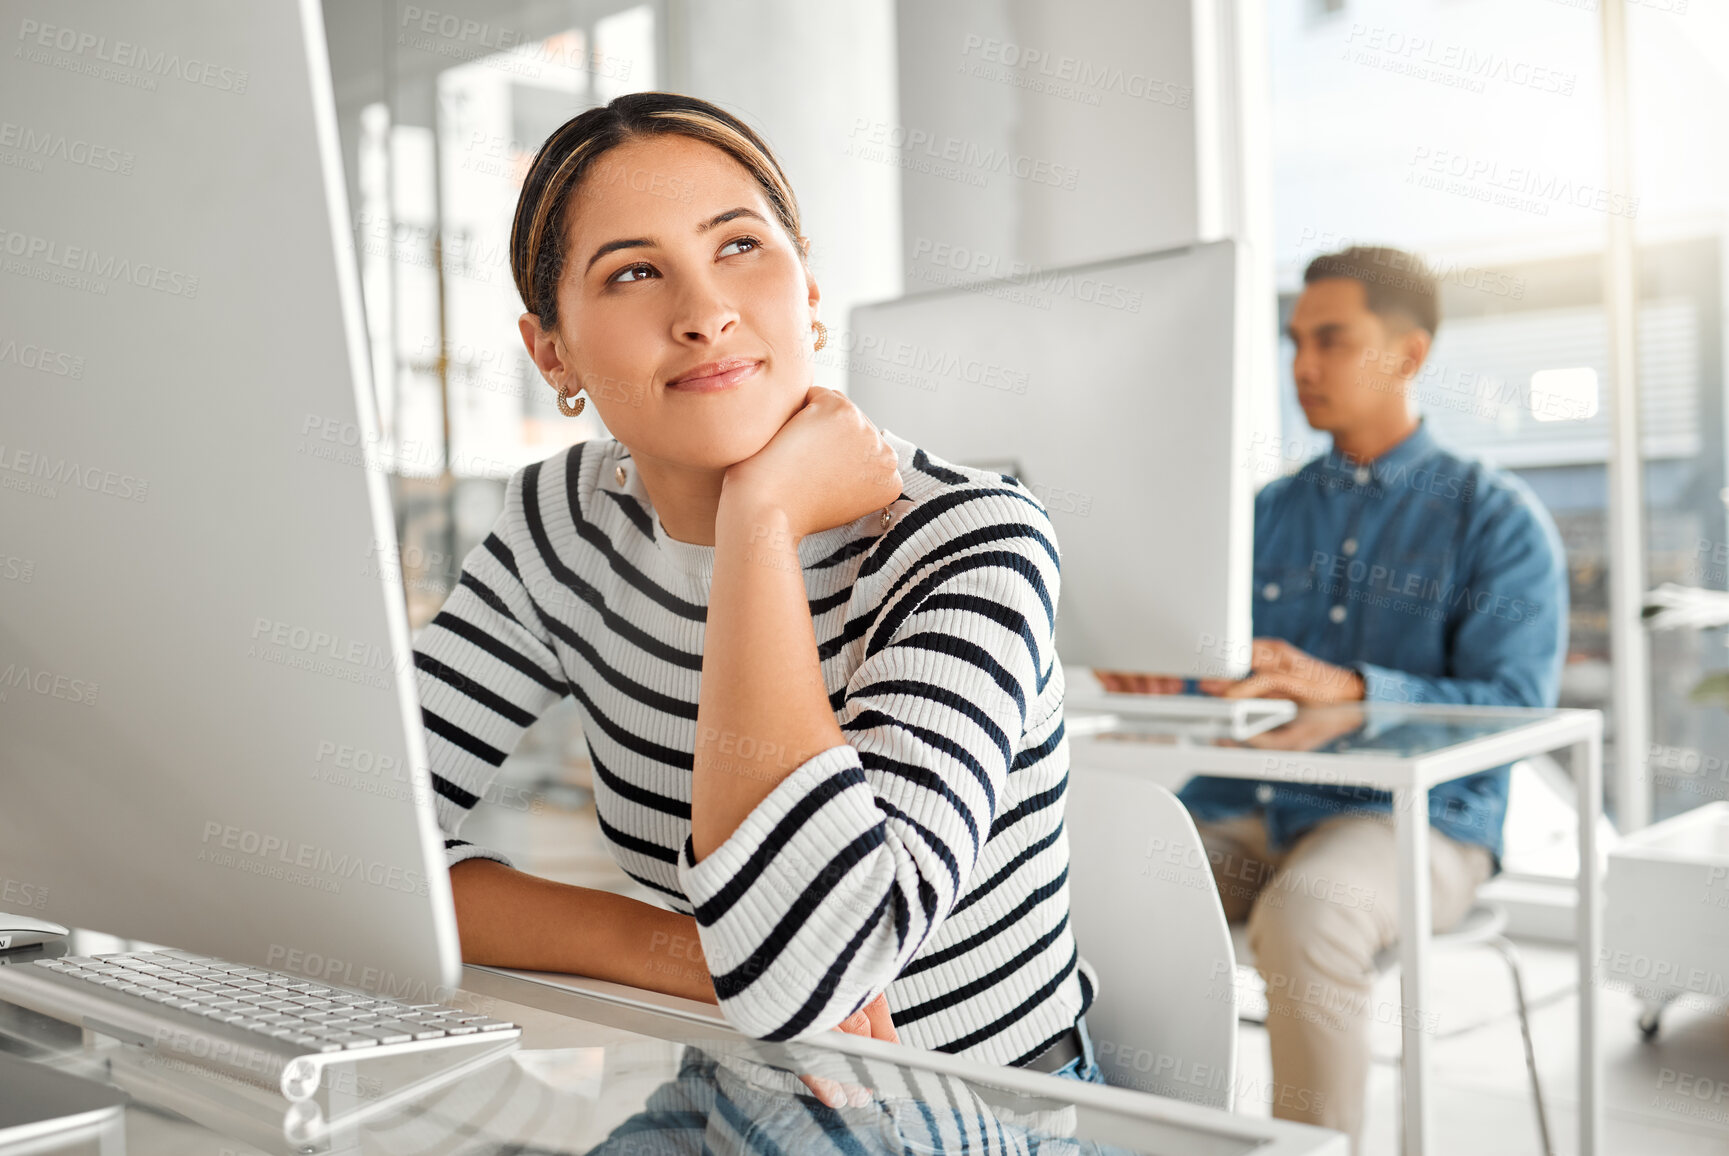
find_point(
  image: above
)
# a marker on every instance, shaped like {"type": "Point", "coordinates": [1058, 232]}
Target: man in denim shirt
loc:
{"type": "Point", "coordinates": [1388, 570]}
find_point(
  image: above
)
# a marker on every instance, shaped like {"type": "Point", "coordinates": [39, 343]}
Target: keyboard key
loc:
{"type": "Point", "coordinates": [411, 1026]}
{"type": "Point", "coordinates": [329, 1031]}
{"type": "Point", "coordinates": [415, 1029]}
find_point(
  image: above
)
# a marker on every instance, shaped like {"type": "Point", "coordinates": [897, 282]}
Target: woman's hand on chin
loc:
{"type": "Point", "coordinates": [827, 466]}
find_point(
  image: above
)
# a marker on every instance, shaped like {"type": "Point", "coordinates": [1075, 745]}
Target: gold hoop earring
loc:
{"type": "Point", "coordinates": [573, 410]}
{"type": "Point", "coordinates": [821, 335]}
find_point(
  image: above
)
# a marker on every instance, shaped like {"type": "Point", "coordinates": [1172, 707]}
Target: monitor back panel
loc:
{"type": "Point", "coordinates": [209, 731]}
{"type": "Point", "coordinates": [1113, 390]}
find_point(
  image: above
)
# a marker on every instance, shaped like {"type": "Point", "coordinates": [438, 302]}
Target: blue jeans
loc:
{"type": "Point", "coordinates": [1086, 1065]}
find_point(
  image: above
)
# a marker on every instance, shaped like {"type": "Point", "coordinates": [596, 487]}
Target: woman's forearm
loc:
{"type": "Point", "coordinates": [763, 708]}
{"type": "Point", "coordinates": [507, 918]}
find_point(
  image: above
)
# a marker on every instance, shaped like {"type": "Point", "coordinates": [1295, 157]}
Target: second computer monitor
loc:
{"type": "Point", "coordinates": [1115, 391]}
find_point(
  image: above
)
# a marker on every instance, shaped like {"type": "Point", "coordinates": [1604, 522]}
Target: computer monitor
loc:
{"type": "Point", "coordinates": [210, 735]}
{"type": "Point", "coordinates": [1116, 391]}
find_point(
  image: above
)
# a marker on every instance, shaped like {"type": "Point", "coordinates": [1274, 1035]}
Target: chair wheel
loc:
{"type": "Point", "coordinates": [1649, 1022]}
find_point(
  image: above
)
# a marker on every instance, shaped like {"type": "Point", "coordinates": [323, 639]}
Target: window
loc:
{"type": "Point", "coordinates": [437, 161]}
{"type": "Point", "coordinates": [1473, 134]}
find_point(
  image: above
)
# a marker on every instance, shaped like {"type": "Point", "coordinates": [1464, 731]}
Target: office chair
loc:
{"type": "Point", "coordinates": [1147, 917]}
{"type": "Point", "coordinates": [1482, 925]}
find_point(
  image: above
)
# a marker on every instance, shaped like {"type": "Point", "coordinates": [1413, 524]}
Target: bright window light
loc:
{"type": "Point", "coordinates": [1564, 394]}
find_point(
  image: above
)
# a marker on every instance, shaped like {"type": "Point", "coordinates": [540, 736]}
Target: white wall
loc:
{"type": "Point", "coordinates": [1037, 135]}
{"type": "Point", "coordinates": [1043, 133]}
{"type": "Point", "coordinates": [803, 75]}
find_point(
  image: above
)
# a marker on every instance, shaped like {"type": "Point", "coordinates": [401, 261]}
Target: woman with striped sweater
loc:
{"type": "Point", "coordinates": [814, 664]}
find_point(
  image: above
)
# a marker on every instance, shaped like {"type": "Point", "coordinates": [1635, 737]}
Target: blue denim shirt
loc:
{"type": "Point", "coordinates": [1439, 578]}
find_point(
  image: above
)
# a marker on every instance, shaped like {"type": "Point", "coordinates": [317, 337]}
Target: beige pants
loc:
{"type": "Point", "coordinates": [1318, 913]}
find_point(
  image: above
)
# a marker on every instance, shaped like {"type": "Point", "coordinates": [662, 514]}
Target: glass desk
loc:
{"type": "Point", "coordinates": [594, 1075]}
{"type": "Point", "coordinates": [1404, 749]}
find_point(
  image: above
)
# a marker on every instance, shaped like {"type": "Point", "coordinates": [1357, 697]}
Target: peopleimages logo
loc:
{"type": "Point", "coordinates": [275, 849]}
{"type": "Point", "coordinates": [102, 266]}
{"type": "Point", "coordinates": [42, 144]}
{"type": "Point", "coordinates": [924, 145]}
{"type": "Point", "coordinates": [50, 471]}
{"type": "Point", "coordinates": [125, 54]}
{"type": "Point", "coordinates": [41, 359]}
{"type": "Point", "coordinates": [47, 684]}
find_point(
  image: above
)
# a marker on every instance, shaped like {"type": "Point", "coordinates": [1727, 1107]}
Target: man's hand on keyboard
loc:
{"type": "Point", "coordinates": [1126, 682]}
{"type": "Point", "coordinates": [1280, 670]}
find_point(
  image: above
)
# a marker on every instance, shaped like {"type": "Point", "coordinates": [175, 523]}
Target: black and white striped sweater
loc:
{"type": "Point", "coordinates": [925, 856]}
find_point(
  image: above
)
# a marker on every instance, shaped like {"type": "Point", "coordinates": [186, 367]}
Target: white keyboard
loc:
{"type": "Point", "coordinates": [273, 1029]}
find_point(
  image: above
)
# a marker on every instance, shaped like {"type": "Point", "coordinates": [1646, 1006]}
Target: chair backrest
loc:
{"type": "Point", "coordinates": [1147, 917]}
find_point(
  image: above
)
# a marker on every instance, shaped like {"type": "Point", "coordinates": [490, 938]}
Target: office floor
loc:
{"type": "Point", "coordinates": [1668, 1097]}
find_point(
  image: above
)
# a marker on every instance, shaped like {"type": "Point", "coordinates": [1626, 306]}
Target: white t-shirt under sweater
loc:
{"type": "Point", "coordinates": [925, 855]}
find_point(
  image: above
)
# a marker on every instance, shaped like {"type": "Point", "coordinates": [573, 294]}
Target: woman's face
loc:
{"type": "Point", "coordinates": [686, 288]}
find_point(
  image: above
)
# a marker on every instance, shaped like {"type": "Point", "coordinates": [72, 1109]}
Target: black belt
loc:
{"type": "Point", "coordinates": [1065, 1051]}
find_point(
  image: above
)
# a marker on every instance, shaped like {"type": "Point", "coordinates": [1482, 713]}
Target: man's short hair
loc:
{"type": "Point", "coordinates": [1397, 285]}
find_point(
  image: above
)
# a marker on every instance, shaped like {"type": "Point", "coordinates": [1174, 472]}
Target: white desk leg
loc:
{"type": "Point", "coordinates": [1412, 809]}
{"type": "Point", "coordinates": [1588, 773]}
